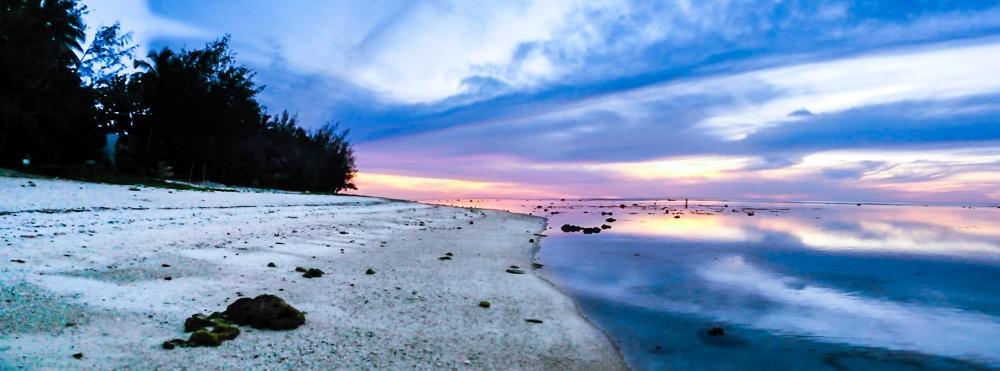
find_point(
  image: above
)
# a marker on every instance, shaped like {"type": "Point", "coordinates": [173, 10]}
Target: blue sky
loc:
{"type": "Point", "coordinates": [797, 100]}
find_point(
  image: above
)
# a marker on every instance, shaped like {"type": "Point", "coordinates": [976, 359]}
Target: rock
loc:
{"type": "Point", "coordinates": [171, 344]}
{"type": "Point", "coordinates": [301, 269]}
{"type": "Point", "coordinates": [610, 220]}
{"type": "Point", "coordinates": [168, 278]}
{"type": "Point", "coordinates": [272, 265]}
{"type": "Point", "coordinates": [716, 331]}
{"type": "Point", "coordinates": [515, 267]}
{"type": "Point", "coordinates": [571, 228]}
{"type": "Point", "coordinates": [78, 356]}
{"type": "Point", "coordinates": [225, 331]}
{"type": "Point", "coordinates": [19, 261]}
{"type": "Point", "coordinates": [265, 312]}
{"type": "Point", "coordinates": [449, 254]}
{"type": "Point", "coordinates": [196, 322]}
{"type": "Point", "coordinates": [165, 265]}
{"type": "Point", "coordinates": [677, 216]}
{"type": "Point", "coordinates": [537, 265]}
{"type": "Point", "coordinates": [532, 320]}
{"type": "Point", "coordinates": [568, 228]}
{"type": "Point", "coordinates": [484, 304]}
{"type": "Point", "coordinates": [514, 271]}
{"type": "Point", "coordinates": [532, 240]}
{"type": "Point", "coordinates": [204, 338]}
{"type": "Point", "coordinates": [445, 258]}
{"type": "Point", "coordinates": [370, 271]}
{"type": "Point", "coordinates": [312, 273]}
{"type": "Point", "coordinates": [605, 226]}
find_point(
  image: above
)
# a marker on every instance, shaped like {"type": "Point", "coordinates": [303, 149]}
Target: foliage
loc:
{"type": "Point", "coordinates": [189, 114]}
{"type": "Point", "coordinates": [45, 112]}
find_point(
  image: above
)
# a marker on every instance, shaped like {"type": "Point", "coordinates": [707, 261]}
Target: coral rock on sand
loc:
{"type": "Point", "coordinates": [313, 273]}
{"type": "Point", "coordinates": [265, 312]}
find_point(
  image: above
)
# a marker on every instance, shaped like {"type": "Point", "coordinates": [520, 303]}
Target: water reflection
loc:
{"type": "Point", "coordinates": [824, 286]}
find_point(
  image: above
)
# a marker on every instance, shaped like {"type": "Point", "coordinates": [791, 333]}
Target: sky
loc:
{"type": "Point", "coordinates": [888, 101]}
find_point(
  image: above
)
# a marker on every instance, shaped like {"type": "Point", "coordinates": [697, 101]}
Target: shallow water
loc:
{"type": "Point", "coordinates": [795, 286]}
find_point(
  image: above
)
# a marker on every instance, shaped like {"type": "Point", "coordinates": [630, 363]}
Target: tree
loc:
{"type": "Point", "coordinates": [44, 110]}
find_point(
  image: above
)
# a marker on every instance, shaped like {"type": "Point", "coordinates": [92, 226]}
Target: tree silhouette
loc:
{"type": "Point", "coordinates": [195, 111]}
{"type": "Point", "coordinates": [44, 110]}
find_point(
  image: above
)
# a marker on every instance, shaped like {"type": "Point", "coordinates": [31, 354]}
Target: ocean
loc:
{"type": "Point", "coordinates": [779, 286]}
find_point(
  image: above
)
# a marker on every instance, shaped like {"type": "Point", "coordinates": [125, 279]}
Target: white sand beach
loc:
{"type": "Point", "coordinates": [84, 268]}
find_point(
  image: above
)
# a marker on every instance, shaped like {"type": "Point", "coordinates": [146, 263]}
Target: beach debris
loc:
{"type": "Point", "coordinates": [750, 213]}
{"type": "Point", "coordinates": [78, 356]}
{"type": "Point", "coordinates": [532, 320]}
{"type": "Point", "coordinates": [19, 261]}
{"type": "Point", "coordinates": [515, 270]}
{"type": "Point", "coordinates": [445, 258]}
{"type": "Point", "coordinates": [716, 331]}
{"type": "Point", "coordinates": [677, 216]}
{"type": "Point", "coordinates": [537, 265]}
{"type": "Point", "coordinates": [449, 254]}
{"type": "Point", "coordinates": [312, 273]}
{"type": "Point", "coordinates": [272, 265]}
{"type": "Point", "coordinates": [370, 271]}
{"type": "Point", "coordinates": [484, 304]}
{"type": "Point", "coordinates": [264, 312]}
{"type": "Point", "coordinates": [199, 321]}
{"type": "Point", "coordinates": [168, 278]}
{"type": "Point", "coordinates": [165, 265]}
{"type": "Point", "coordinates": [221, 330]}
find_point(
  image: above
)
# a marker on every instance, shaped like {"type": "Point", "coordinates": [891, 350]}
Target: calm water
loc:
{"type": "Point", "coordinates": [795, 286]}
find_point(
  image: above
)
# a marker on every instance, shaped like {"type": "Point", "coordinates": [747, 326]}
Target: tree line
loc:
{"type": "Point", "coordinates": [187, 114]}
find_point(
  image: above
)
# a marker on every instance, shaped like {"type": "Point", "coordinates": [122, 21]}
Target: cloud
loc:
{"type": "Point", "coordinates": [630, 98]}
{"type": "Point", "coordinates": [137, 17]}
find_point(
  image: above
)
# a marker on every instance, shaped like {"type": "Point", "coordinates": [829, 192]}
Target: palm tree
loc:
{"type": "Point", "coordinates": [62, 25]}
{"type": "Point", "coordinates": [153, 68]}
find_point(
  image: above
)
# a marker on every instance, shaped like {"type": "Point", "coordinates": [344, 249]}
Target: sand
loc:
{"type": "Point", "coordinates": [93, 282]}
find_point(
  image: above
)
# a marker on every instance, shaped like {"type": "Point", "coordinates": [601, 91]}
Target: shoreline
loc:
{"type": "Point", "coordinates": [576, 307]}
{"type": "Point", "coordinates": [92, 281]}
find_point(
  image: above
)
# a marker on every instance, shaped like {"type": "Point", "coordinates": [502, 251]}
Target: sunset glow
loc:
{"type": "Point", "coordinates": [848, 102]}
